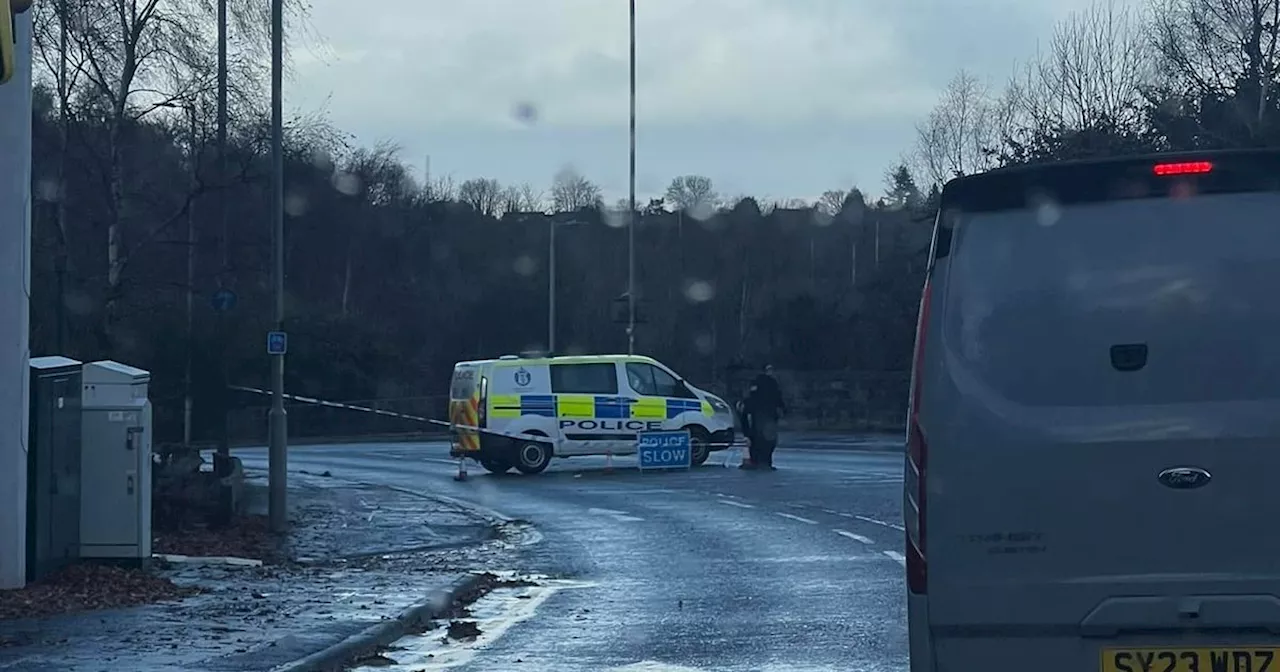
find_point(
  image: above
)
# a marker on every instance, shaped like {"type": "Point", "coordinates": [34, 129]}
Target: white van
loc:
{"type": "Point", "coordinates": [1095, 418]}
{"type": "Point", "coordinates": [529, 410]}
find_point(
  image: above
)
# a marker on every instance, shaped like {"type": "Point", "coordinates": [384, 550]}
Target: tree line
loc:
{"type": "Point", "coordinates": [1118, 78]}
{"type": "Point", "coordinates": [152, 246]}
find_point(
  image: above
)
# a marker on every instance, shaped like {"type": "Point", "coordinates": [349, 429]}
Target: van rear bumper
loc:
{"type": "Point", "coordinates": [458, 451]}
{"type": "Point", "coordinates": [490, 445]}
{"type": "Point", "coordinates": [919, 639]}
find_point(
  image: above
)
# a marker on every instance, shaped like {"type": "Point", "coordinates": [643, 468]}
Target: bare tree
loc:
{"type": "Point", "coordinates": [959, 135]}
{"type": "Point", "coordinates": [522, 198]}
{"type": "Point", "coordinates": [571, 191]}
{"type": "Point", "coordinates": [51, 37]}
{"type": "Point", "coordinates": [483, 194]}
{"type": "Point", "coordinates": [439, 189]}
{"type": "Point", "coordinates": [376, 176]}
{"type": "Point", "coordinates": [831, 201]}
{"type": "Point", "coordinates": [693, 194]}
{"type": "Point", "coordinates": [136, 58]}
{"type": "Point", "coordinates": [532, 199]}
{"type": "Point", "coordinates": [1098, 61]}
{"type": "Point", "coordinates": [373, 179]}
{"type": "Point", "coordinates": [1221, 47]}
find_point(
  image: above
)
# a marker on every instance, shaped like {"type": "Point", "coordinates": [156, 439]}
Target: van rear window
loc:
{"type": "Point", "coordinates": [1038, 298]}
{"type": "Point", "coordinates": [463, 384]}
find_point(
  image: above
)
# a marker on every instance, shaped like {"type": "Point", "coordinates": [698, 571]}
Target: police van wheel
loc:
{"type": "Point", "coordinates": [699, 445]}
{"type": "Point", "coordinates": [532, 457]}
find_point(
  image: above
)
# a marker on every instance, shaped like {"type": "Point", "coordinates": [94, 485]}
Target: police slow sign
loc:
{"type": "Point", "coordinates": [664, 450]}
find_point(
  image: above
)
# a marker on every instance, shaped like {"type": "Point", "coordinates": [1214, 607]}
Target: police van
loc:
{"type": "Point", "coordinates": [520, 412]}
{"type": "Point", "coordinates": [1094, 418]}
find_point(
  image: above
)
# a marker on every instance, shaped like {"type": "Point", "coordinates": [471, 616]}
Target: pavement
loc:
{"type": "Point", "coordinates": [708, 569]}
{"type": "Point", "coordinates": [363, 554]}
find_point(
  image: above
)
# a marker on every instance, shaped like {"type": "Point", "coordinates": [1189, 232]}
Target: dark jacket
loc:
{"type": "Point", "coordinates": [765, 397]}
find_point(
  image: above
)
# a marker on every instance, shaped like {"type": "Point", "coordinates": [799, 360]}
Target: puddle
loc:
{"type": "Point", "coordinates": [490, 618]}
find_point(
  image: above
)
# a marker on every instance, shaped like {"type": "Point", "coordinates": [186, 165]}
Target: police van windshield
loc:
{"type": "Point", "coordinates": [1036, 293]}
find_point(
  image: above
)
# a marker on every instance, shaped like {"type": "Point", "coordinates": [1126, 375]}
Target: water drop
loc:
{"type": "Point", "coordinates": [699, 291]}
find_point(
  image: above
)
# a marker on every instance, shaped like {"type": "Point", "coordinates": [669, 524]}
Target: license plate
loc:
{"type": "Point", "coordinates": [1200, 659]}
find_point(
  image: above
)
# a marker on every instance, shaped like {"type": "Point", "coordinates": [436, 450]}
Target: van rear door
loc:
{"type": "Point", "coordinates": [1099, 404]}
{"type": "Point", "coordinates": [465, 408]}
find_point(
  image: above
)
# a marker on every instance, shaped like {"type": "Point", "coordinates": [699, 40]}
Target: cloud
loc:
{"type": "Point", "coordinates": [435, 63]}
{"type": "Point", "coordinates": [763, 96]}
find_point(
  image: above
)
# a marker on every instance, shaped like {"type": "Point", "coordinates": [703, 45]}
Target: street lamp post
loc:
{"type": "Point", "coordinates": [631, 201]}
{"type": "Point", "coordinates": [277, 456]}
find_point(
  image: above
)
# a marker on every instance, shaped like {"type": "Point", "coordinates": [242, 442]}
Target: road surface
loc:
{"type": "Point", "coordinates": [713, 569]}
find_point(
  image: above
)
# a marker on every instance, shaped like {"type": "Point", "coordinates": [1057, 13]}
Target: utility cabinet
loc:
{"type": "Point", "coordinates": [53, 466]}
{"type": "Point", "coordinates": [115, 495]}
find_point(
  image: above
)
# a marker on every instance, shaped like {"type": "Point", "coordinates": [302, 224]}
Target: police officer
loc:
{"type": "Point", "coordinates": [763, 406]}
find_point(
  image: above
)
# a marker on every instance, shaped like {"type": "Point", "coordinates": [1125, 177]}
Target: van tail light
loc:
{"type": "Point", "coordinates": [917, 463]}
{"type": "Point", "coordinates": [1183, 168]}
{"type": "Point", "coordinates": [482, 405]}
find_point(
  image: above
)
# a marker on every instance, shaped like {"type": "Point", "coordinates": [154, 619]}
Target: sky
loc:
{"type": "Point", "coordinates": [771, 98]}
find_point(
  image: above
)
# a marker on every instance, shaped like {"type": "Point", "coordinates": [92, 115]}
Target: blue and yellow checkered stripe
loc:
{"type": "Point", "coordinates": [585, 406]}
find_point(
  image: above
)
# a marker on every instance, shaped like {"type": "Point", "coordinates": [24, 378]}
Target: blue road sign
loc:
{"type": "Point", "coordinates": [223, 300]}
{"type": "Point", "coordinates": [277, 342]}
{"type": "Point", "coordinates": [664, 450]}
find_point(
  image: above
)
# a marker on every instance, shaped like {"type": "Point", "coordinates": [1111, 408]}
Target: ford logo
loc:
{"type": "Point", "coordinates": [1184, 478]}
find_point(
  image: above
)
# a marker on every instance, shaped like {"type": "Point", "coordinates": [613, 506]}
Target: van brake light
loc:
{"type": "Point", "coordinates": [1183, 168]}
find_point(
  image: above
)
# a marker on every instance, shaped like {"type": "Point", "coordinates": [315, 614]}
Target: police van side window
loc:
{"type": "Point", "coordinates": [640, 377]}
{"type": "Point", "coordinates": [651, 381]}
{"type": "Point", "coordinates": [599, 378]}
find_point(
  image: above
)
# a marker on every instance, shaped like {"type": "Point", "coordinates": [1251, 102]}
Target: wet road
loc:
{"type": "Point", "coordinates": [713, 569]}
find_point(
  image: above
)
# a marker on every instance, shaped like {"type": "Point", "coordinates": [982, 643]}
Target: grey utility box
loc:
{"type": "Point", "coordinates": [53, 466]}
{"type": "Point", "coordinates": [115, 493]}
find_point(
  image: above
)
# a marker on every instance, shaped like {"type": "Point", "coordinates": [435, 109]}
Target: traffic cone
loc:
{"type": "Point", "coordinates": [462, 470]}
{"type": "Point", "coordinates": [608, 461]}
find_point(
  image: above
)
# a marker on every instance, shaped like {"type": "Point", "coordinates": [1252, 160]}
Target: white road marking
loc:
{"type": "Point", "coordinates": [740, 505]}
{"type": "Point", "coordinates": [620, 516]}
{"type": "Point", "coordinates": [721, 494]}
{"type": "Point", "coordinates": [897, 557]}
{"type": "Point", "coordinates": [881, 523]}
{"type": "Point", "coordinates": [855, 537]}
{"type": "Point", "coordinates": [796, 518]}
